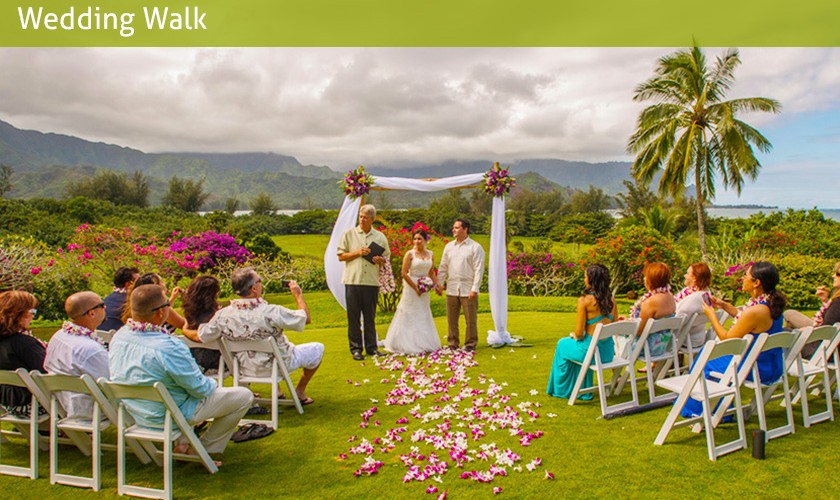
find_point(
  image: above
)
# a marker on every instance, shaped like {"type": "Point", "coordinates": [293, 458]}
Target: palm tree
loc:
{"type": "Point", "coordinates": [691, 129]}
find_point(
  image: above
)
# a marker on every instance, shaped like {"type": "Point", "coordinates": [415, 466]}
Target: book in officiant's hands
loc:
{"type": "Point", "coordinates": [375, 251]}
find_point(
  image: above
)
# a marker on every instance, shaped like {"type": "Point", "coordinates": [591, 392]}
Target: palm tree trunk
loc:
{"type": "Point", "coordinates": [701, 224]}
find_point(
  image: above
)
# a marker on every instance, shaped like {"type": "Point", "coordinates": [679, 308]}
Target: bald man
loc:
{"type": "Point", "coordinates": [142, 352]}
{"type": "Point", "coordinates": [75, 349]}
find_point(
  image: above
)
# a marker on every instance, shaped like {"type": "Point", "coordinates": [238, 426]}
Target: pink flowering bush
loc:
{"type": "Point", "coordinates": [209, 249]}
{"type": "Point", "coordinates": [543, 274]}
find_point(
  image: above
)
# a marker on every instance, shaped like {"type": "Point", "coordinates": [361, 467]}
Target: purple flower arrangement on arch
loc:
{"type": "Point", "coordinates": [498, 181]}
{"type": "Point", "coordinates": [356, 183]}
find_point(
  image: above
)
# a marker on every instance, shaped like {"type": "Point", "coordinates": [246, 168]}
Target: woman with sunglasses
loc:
{"type": "Point", "coordinates": [18, 348]}
{"type": "Point", "coordinates": [762, 313]}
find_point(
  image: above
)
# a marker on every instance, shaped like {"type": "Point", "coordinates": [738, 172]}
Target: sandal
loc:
{"type": "Point", "coordinates": [249, 432]}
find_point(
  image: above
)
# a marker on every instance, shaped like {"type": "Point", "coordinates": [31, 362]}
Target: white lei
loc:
{"type": "Point", "coordinates": [636, 309]}
{"type": "Point", "coordinates": [139, 327]}
{"type": "Point", "coordinates": [80, 331]}
{"type": "Point", "coordinates": [750, 303]}
{"type": "Point", "coordinates": [685, 292]}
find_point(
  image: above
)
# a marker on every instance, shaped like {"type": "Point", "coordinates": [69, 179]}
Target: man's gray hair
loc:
{"type": "Point", "coordinates": [243, 279]}
{"type": "Point", "coordinates": [369, 209]}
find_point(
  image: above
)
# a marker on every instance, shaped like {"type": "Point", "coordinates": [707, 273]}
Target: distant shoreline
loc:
{"type": "Point", "coordinates": [751, 207]}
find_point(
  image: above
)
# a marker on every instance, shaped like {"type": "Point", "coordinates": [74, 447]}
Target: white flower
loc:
{"type": "Point", "coordinates": [533, 392]}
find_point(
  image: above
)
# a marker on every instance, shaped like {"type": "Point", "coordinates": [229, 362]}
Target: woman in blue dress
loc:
{"type": "Point", "coordinates": [763, 313]}
{"type": "Point", "coordinates": [595, 306]}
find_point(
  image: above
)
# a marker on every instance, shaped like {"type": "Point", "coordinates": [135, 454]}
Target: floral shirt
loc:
{"type": "Point", "coordinates": [247, 319]}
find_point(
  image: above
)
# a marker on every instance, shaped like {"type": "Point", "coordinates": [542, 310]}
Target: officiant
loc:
{"type": "Point", "coordinates": [362, 249]}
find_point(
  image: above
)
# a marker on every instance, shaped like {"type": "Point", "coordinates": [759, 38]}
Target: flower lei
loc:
{"type": "Point", "coordinates": [761, 299]}
{"type": "Point", "coordinates": [636, 309]}
{"type": "Point", "coordinates": [117, 289]}
{"type": "Point", "coordinates": [80, 331]}
{"type": "Point", "coordinates": [247, 304]}
{"type": "Point", "coordinates": [386, 278]}
{"type": "Point", "coordinates": [818, 318]}
{"type": "Point", "coordinates": [29, 333]}
{"type": "Point", "coordinates": [497, 181]}
{"type": "Point", "coordinates": [685, 292]}
{"type": "Point", "coordinates": [140, 327]}
{"type": "Point", "coordinates": [356, 183]}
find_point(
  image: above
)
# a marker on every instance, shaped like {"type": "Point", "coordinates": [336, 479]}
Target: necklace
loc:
{"type": "Point", "coordinates": [685, 292]}
{"type": "Point", "coordinates": [140, 327]}
{"type": "Point", "coordinates": [818, 318]}
{"type": "Point", "coordinates": [80, 331]}
{"type": "Point", "coordinates": [761, 299]}
{"type": "Point", "coordinates": [636, 309]}
{"type": "Point", "coordinates": [247, 304]}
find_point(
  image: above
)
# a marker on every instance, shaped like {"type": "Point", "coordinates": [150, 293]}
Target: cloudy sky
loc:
{"type": "Point", "coordinates": [348, 106]}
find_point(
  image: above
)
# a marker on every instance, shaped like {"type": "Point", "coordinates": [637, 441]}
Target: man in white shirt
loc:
{"type": "Point", "coordinates": [251, 317]}
{"type": "Point", "coordinates": [75, 349]}
{"type": "Point", "coordinates": [461, 268]}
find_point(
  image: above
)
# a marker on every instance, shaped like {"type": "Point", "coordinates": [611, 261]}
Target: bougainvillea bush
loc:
{"type": "Point", "coordinates": [207, 250]}
{"type": "Point", "coordinates": [541, 274]}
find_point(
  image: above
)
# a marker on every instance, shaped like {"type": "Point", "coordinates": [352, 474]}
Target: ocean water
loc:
{"type": "Point", "coordinates": [743, 213]}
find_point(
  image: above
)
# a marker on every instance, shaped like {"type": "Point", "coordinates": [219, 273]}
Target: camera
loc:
{"type": "Point", "coordinates": [285, 283]}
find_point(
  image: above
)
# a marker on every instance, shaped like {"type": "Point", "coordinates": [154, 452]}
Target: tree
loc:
{"type": "Point", "coordinates": [5, 179]}
{"type": "Point", "coordinates": [115, 187]}
{"type": "Point", "coordinates": [692, 130]}
{"type": "Point", "coordinates": [637, 198]}
{"type": "Point", "coordinates": [594, 200]}
{"type": "Point", "coordinates": [262, 204]}
{"type": "Point", "coordinates": [185, 194]}
{"type": "Point", "coordinates": [231, 205]}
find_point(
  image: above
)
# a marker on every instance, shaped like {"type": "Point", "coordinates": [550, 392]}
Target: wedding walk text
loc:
{"type": "Point", "coordinates": [94, 19]}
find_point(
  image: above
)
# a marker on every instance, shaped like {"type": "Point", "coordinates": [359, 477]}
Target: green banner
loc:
{"type": "Point", "coordinates": [434, 23]}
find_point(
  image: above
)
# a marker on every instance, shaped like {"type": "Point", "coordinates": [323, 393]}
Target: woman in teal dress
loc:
{"type": "Point", "coordinates": [763, 313]}
{"type": "Point", "coordinates": [595, 306]}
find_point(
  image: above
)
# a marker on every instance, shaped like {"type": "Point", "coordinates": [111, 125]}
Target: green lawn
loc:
{"type": "Point", "coordinates": [589, 456]}
{"type": "Point", "coordinates": [313, 245]}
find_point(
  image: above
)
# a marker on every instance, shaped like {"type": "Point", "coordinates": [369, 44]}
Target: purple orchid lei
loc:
{"type": "Point", "coordinates": [685, 292]}
{"type": "Point", "coordinates": [141, 327]}
{"type": "Point", "coordinates": [750, 303]}
{"type": "Point", "coordinates": [818, 318]}
{"type": "Point", "coordinates": [636, 309]}
{"type": "Point", "coordinates": [247, 304]}
{"type": "Point", "coordinates": [80, 331]}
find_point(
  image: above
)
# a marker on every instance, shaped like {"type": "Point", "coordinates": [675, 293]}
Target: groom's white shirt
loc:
{"type": "Point", "coordinates": [461, 267]}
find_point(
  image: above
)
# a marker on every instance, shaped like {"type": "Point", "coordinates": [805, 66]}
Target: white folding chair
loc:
{"type": "Point", "coordinates": [279, 373]}
{"type": "Point", "coordinates": [806, 371]}
{"type": "Point", "coordinates": [50, 384]}
{"type": "Point", "coordinates": [697, 386]}
{"type": "Point", "coordinates": [105, 335]}
{"type": "Point", "coordinates": [170, 432]}
{"type": "Point", "coordinates": [215, 345]}
{"type": "Point", "coordinates": [622, 361]}
{"type": "Point", "coordinates": [27, 427]}
{"type": "Point", "coordinates": [669, 355]}
{"type": "Point", "coordinates": [766, 392]}
{"type": "Point", "coordinates": [834, 365]}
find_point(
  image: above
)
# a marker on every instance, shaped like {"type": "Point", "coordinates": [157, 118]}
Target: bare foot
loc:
{"type": "Point", "coordinates": [186, 449]}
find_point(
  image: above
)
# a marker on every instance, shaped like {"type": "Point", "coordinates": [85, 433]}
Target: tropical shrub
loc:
{"type": "Point", "coordinates": [626, 250]}
{"type": "Point", "coordinates": [209, 249]}
{"type": "Point", "coordinates": [543, 274]}
{"type": "Point", "coordinates": [800, 275]}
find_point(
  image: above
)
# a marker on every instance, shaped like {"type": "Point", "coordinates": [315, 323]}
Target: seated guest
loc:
{"type": "Point", "coordinates": [200, 304]}
{"type": "Point", "coordinates": [115, 301]}
{"type": "Point", "coordinates": [173, 320]}
{"type": "Point", "coordinates": [75, 349]}
{"type": "Point", "coordinates": [698, 277]}
{"type": "Point", "coordinates": [595, 306]}
{"type": "Point", "coordinates": [18, 348]}
{"type": "Point", "coordinates": [656, 303]}
{"type": "Point", "coordinates": [251, 317]}
{"type": "Point", "coordinates": [142, 353]}
{"type": "Point", "coordinates": [829, 312]}
{"type": "Point", "coordinates": [763, 313]}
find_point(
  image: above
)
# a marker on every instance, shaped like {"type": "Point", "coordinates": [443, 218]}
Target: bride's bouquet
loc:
{"type": "Point", "coordinates": [425, 284]}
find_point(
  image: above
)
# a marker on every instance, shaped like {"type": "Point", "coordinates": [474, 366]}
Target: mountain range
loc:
{"type": "Point", "coordinates": [44, 164]}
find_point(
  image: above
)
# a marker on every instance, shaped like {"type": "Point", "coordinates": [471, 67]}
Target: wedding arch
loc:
{"type": "Point", "coordinates": [496, 263]}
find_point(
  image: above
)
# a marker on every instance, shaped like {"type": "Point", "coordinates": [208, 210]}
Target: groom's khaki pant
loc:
{"type": "Point", "coordinates": [454, 305]}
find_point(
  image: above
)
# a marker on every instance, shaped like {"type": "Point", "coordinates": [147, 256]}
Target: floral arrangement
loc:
{"type": "Point", "coordinates": [497, 181]}
{"type": "Point", "coordinates": [356, 183]}
{"type": "Point", "coordinates": [425, 284]}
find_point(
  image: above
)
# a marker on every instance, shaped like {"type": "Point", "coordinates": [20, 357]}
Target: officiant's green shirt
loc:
{"type": "Point", "coordinates": [359, 271]}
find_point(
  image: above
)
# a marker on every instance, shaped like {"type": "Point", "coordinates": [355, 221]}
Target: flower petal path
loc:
{"type": "Point", "coordinates": [446, 421]}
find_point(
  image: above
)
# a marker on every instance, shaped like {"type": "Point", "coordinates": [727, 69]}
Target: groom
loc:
{"type": "Point", "coordinates": [461, 268]}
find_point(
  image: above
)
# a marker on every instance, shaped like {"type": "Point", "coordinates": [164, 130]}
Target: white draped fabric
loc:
{"type": "Point", "coordinates": [496, 265]}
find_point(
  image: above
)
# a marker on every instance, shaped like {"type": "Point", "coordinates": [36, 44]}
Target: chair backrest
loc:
{"type": "Point", "coordinates": [625, 328]}
{"type": "Point", "coordinates": [12, 377]}
{"type": "Point", "coordinates": [267, 345]}
{"type": "Point", "coordinates": [105, 335]}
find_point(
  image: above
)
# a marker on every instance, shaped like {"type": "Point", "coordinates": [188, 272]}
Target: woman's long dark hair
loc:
{"type": "Point", "coordinates": [768, 275]}
{"type": "Point", "coordinates": [599, 286]}
{"type": "Point", "coordinates": [200, 300]}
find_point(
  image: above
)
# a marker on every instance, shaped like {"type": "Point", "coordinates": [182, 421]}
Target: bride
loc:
{"type": "Point", "coordinates": [412, 330]}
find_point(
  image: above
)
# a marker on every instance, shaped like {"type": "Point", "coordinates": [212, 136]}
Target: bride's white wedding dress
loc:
{"type": "Point", "coordinates": [412, 330]}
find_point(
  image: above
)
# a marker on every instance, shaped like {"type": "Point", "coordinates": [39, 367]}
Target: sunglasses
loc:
{"type": "Point", "coordinates": [33, 312]}
{"type": "Point", "coordinates": [165, 304]}
{"type": "Point", "coordinates": [97, 306]}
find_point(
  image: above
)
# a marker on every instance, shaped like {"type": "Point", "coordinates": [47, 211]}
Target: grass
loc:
{"type": "Point", "coordinates": [313, 245]}
{"type": "Point", "coordinates": [590, 457]}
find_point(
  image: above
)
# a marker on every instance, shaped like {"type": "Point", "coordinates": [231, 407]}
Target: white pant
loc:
{"type": "Point", "coordinates": [226, 406]}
